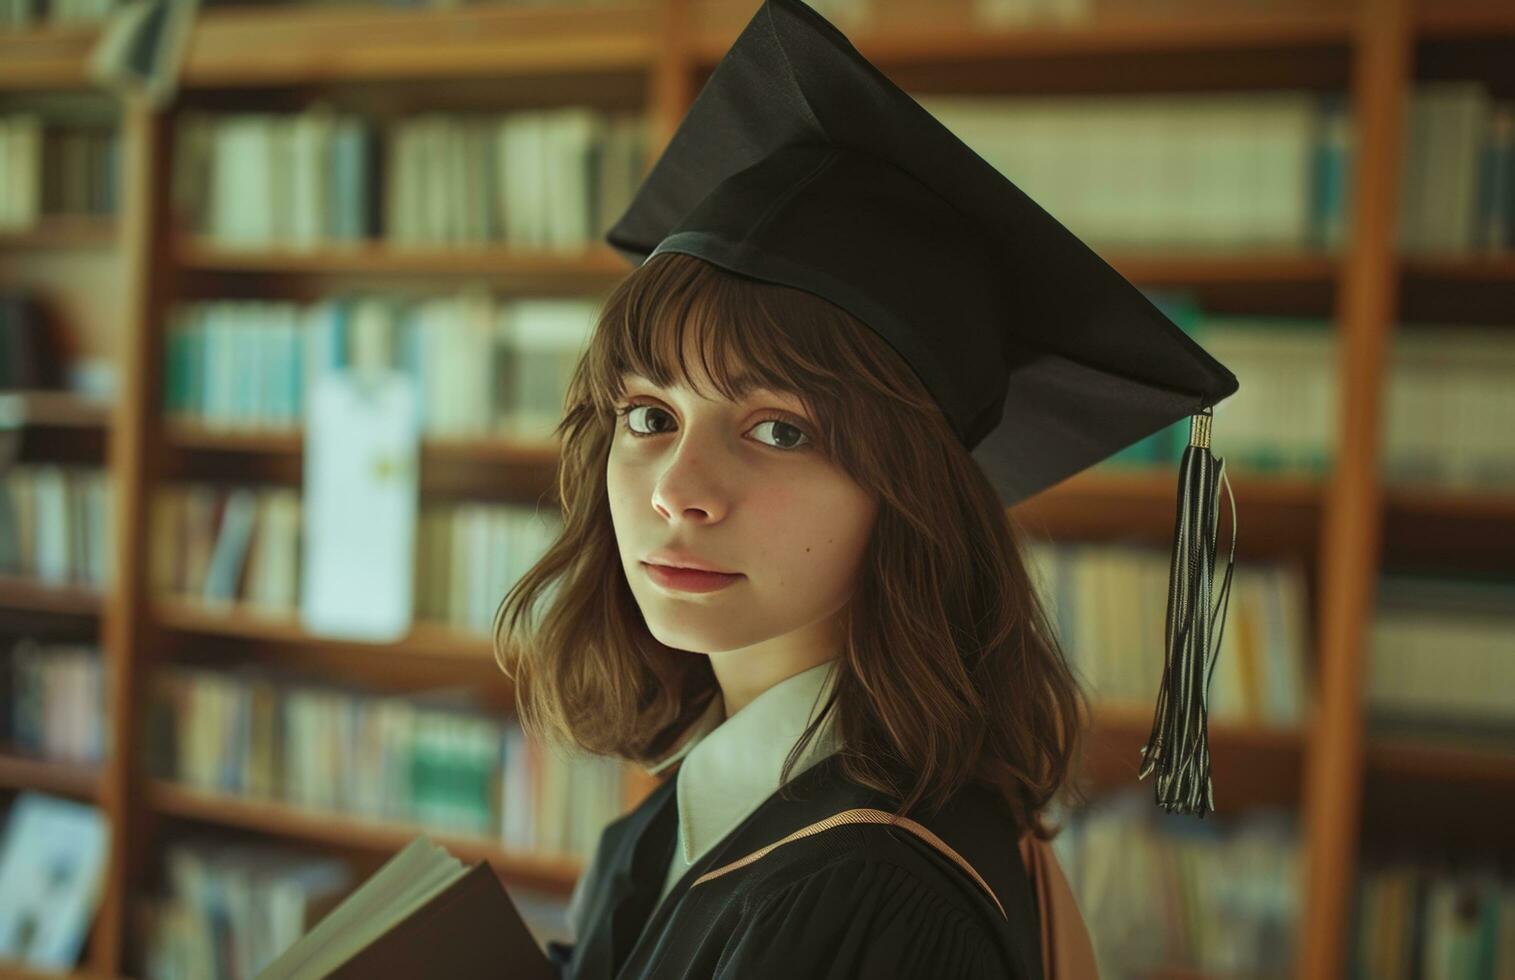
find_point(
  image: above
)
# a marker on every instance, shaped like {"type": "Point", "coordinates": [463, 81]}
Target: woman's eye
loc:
{"type": "Point", "coordinates": [786, 434]}
{"type": "Point", "coordinates": [626, 412]}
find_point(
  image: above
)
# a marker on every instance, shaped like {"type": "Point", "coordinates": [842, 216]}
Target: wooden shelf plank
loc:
{"type": "Point", "coordinates": [425, 640]}
{"type": "Point", "coordinates": [351, 830]}
{"type": "Point", "coordinates": [15, 971]}
{"type": "Point", "coordinates": [197, 436]}
{"type": "Point", "coordinates": [1459, 19]}
{"type": "Point", "coordinates": [57, 409]}
{"type": "Point", "coordinates": [1493, 267]}
{"type": "Point", "coordinates": [600, 265]}
{"type": "Point", "coordinates": [1161, 268]}
{"type": "Point", "coordinates": [294, 45]}
{"type": "Point", "coordinates": [1252, 764]}
{"type": "Point", "coordinates": [1441, 761]}
{"type": "Point", "coordinates": [1192, 29]}
{"type": "Point", "coordinates": [1469, 529]}
{"type": "Point", "coordinates": [1421, 793]}
{"type": "Point", "coordinates": [250, 46]}
{"type": "Point", "coordinates": [21, 772]}
{"type": "Point", "coordinates": [595, 266]}
{"type": "Point", "coordinates": [46, 57]}
{"type": "Point", "coordinates": [60, 231]}
{"type": "Point", "coordinates": [32, 595]}
{"type": "Point", "coordinates": [1138, 505]}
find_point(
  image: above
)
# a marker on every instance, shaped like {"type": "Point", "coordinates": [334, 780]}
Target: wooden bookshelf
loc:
{"type": "Point", "coordinates": [19, 772]}
{"type": "Point", "coordinates": [192, 436]}
{"type": "Point", "coordinates": [655, 54]}
{"type": "Point", "coordinates": [1252, 764]}
{"type": "Point", "coordinates": [424, 641]}
{"type": "Point", "coordinates": [1146, 32]}
{"type": "Point", "coordinates": [1282, 513]}
{"type": "Point", "coordinates": [61, 231]}
{"type": "Point", "coordinates": [353, 831]}
{"type": "Point", "coordinates": [51, 409]}
{"type": "Point", "coordinates": [593, 270]}
{"type": "Point", "coordinates": [31, 595]}
{"type": "Point", "coordinates": [1475, 267]}
{"type": "Point", "coordinates": [294, 46]}
{"type": "Point", "coordinates": [46, 58]}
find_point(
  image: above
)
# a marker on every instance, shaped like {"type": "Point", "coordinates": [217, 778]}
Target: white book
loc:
{"type": "Point", "coordinates": [310, 140]}
{"type": "Point", "coordinates": [572, 136]}
{"type": "Point", "coordinates": [50, 496]}
{"type": "Point", "coordinates": [52, 866]}
{"type": "Point", "coordinates": [429, 175]}
{"type": "Point", "coordinates": [1468, 122]}
{"type": "Point", "coordinates": [24, 179]}
{"type": "Point", "coordinates": [397, 188]}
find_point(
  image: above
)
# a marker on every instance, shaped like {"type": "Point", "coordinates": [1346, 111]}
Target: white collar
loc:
{"type": "Point", "coordinates": [733, 764]}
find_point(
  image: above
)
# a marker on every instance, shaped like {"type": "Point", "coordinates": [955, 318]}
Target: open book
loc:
{"type": "Point", "coordinates": [422, 914]}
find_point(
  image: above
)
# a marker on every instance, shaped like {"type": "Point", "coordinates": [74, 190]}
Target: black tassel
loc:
{"type": "Point", "coordinates": [1178, 748]}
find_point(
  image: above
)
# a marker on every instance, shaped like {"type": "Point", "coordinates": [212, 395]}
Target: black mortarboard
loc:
{"type": "Point", "coordinates": [800, 163]}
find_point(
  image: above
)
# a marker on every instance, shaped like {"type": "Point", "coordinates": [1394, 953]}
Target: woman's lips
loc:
{"type": "Point", "coordinates": [688, 579]}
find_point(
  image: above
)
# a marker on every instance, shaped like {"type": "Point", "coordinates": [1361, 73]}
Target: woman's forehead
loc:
{"type": "Point", "coordinates": [745, 385]}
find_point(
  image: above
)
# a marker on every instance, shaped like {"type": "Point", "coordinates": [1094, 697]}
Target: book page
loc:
{"type": "Point", "coordinates": [403, 884]}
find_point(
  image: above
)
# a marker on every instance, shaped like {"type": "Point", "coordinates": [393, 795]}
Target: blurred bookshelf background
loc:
{"type": "Point", "coordinates": [1322, 193]}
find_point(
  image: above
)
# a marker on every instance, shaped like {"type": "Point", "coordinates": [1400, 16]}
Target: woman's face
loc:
{"type": "Point", "coordinates": [727, 484]}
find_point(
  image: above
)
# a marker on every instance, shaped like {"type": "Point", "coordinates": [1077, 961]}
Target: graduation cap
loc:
{"type": "Point", "coordinates": [800, 163]}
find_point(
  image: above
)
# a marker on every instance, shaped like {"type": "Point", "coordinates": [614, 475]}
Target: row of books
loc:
{"type": "Point", "coordinates": [1108, 602]}
{"type": "Point", "coordinates": [1447, 389]}
{"type": "Point", "coordinates": [244, 544]}
{"type": "Point", "coordinates": [55, 524]}
{"type": "Point", "coordinates": [1165, 893]}
{"type": "Point", "coordinates": [481, 366]}
{"type": "Point", "coordinates": [1283, 418]}
{"type": "Point", "coordinates": [231, 907]}
{"type": "Point", "coordinates": [1420, 919]}
{"type": "Point", "coordinates": [51, 169]}
{"type": "Point", "coordinates": [24, 13]}
{"type": "Point", "coordinates": [226, 544]}
{"type": "Point", "coordinates": [1448, 396]}
{"type": "Point", "coordinates": [552, 179]}
{"type": "Point", "coordinates": [1244, 170]}
{"type": "Point", "coordinates": [1443, 658]}
{"type": "Point", "coordinates": [469, 554]}
{"type": "Point", "coordinates": [433, 758]}
{"type": "Point", "coordinates": [1019, 13]}
{"type": "Point", "coordinates": [1457, 182]}
{"type": "Point", "coordinates": [52, 701]}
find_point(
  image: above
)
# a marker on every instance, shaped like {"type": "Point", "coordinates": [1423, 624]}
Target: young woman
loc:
{"type": "Point", "coordinates": [847, 346]}
{"type": "Point", "coordinates": [758, 430]}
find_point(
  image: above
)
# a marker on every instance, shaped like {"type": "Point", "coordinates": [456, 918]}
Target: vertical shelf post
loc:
{"type": "Point", "coordinates": [1351, 539]}
{"type": "Point", "coordinates": [133, 451]}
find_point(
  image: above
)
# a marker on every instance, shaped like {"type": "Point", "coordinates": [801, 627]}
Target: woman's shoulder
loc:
{"type": "Point", "coordinates": [861, 843]}
{"type": "Point", "coordinates": [954, 868]}
{"type": "Point", "coordinates": [867, 897]}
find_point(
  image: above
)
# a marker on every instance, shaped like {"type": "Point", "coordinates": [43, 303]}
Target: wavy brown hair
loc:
{"type": "Point", "coordinates": [950, 670]}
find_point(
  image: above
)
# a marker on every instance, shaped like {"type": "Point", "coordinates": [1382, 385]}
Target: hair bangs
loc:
{"type": "Point", "coordinates": [682, 322]}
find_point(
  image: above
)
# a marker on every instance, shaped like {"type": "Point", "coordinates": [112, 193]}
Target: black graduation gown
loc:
{"type": "Point", "coordinates": [853, 901]}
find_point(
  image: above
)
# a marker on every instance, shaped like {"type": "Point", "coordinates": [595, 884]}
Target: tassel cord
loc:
{"type": "Point", "coordinates": [1184, 768]}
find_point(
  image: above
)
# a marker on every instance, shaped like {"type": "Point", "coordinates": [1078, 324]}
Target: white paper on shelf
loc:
{"type": "Point", "coordinates": [362, 448]}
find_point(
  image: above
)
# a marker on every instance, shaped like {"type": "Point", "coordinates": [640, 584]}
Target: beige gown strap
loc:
{"type": "Point", "coordinates": [1066, 951]}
